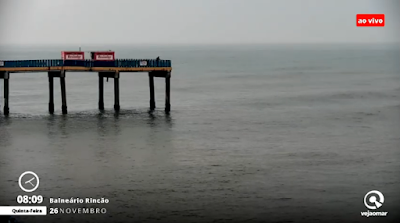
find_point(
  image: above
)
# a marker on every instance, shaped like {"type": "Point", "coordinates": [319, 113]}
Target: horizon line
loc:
{"type": "Point", "coordinates": [194, 43]}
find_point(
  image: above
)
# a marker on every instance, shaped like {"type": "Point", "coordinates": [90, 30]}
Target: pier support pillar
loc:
{"type": "Point", "coordinates": [63, 93]}
{"type": "Point", "coordinates": [51, 93]}
{"type": "Point", "coordinates": [167, 92]}
{"type": "Point", "coordinates": [152, 98]}
{"type": "Point", "coordinates": [116, 92]}
{"type": "Point", "coordinates": [6, 77]}
{"type": "Point", "coordinates": [101, 91]}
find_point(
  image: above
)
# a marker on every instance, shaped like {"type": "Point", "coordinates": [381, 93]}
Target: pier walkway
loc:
{"type": "Point", "coordinates": [105, 69]}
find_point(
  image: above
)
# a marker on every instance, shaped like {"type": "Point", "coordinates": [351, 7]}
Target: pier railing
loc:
{"type": "Point", "coordinates": [86, 63]}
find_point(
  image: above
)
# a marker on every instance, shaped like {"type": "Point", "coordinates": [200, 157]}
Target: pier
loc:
{"type": "Point", "coordinates": [105, 69]}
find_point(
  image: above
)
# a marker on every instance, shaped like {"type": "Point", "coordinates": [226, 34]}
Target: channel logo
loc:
{"type": "Point", "coordinates": [373, 200]}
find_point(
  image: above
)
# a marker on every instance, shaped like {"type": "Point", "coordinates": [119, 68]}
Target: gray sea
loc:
{"type": "Point", "coordinates": [256, 133]}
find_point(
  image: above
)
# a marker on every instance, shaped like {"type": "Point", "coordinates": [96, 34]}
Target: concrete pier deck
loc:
{"type": "Point", "coordinates": [105, 69]}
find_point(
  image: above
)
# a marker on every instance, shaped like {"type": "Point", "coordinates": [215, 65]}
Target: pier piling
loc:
{"type": "Point", "coordinates": [167, 92]}
{"type": "Point", "coordinates": [116, 92]}
{"type": "Point", "coordinates": [51, 93]}
{"type": "Point", "coordinates": [63, 94]}
{"type": "Point", "coordinates": [6, 109]}
{"type": "Point", "coordinates": [152, 98]}
{"type": "Point", "coordinates": [101, 91]}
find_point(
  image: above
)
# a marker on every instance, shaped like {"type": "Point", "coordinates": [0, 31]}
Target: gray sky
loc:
{"type": "Point", "coordinates": [193, 21]}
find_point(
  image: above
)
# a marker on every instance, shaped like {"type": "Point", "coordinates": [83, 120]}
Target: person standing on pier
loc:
{"type": "Point", "coordinates": [158, 61]}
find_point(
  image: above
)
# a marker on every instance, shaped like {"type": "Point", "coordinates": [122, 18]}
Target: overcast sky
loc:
{"type": "Point", "coordinates": [193, 21]}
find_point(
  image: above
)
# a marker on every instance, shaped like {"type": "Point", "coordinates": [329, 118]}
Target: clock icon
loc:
{"type": "Point", "coordinates": [28, 181]}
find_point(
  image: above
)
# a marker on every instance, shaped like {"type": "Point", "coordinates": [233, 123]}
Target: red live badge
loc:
{"type": "Point", "coordinates": [371, 20]}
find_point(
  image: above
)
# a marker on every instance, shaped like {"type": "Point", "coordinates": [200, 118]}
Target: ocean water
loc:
{"type": "Point", "coordinates": [275, 133]}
